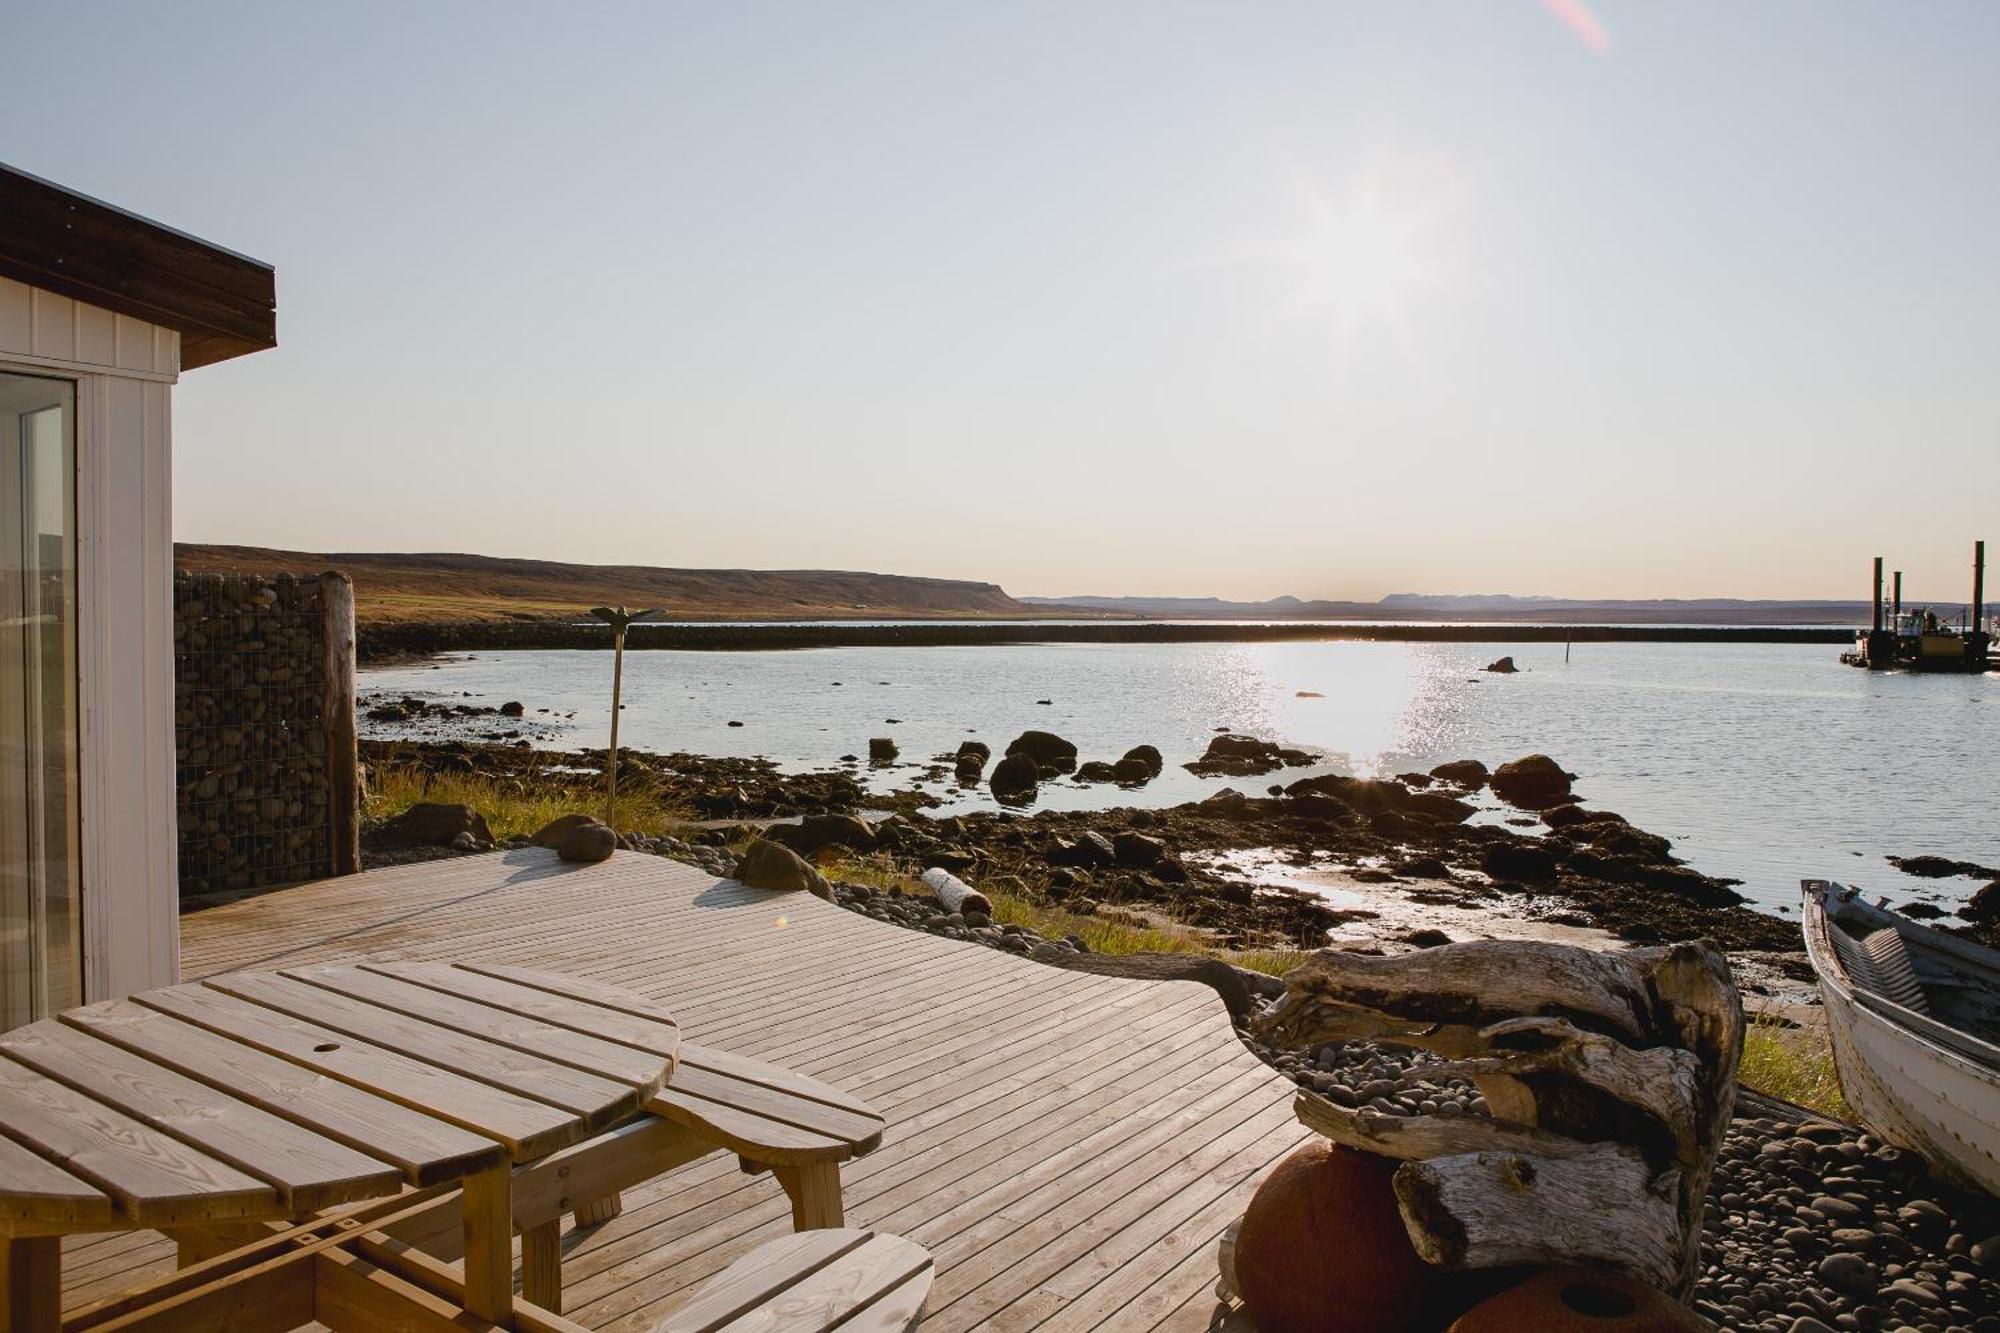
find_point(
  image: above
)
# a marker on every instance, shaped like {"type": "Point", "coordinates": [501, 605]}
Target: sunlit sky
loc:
{"type": "Point", "coordinates": [1331, 299]}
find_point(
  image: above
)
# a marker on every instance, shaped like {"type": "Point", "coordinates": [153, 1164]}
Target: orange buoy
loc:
{"type": "Point", "coordinates": [1581, 1300]}
{"type": "Point", "coordinates": [1322, 1248]}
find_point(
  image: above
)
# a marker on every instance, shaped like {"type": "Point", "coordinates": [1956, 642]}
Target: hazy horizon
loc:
{"type": "Point", "coordinates": [1602, 301]}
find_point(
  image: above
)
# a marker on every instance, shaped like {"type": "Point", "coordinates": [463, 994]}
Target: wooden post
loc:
{"type": "Point", "coordinates": [611, 757]}
{"type": "Point", "coordinates": [541, 1265]}
{"type": "Point", "coordinates": [814, 1188]}
{"type": "Point", "coordinates": [489, 1245]}
{"type": "Point", "coordinates": [31, 1283]}
{"type": "Point", "coordinates": [343, 753]}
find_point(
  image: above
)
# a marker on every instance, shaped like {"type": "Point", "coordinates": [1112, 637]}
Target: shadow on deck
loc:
{"type": "Point", "coordinates": [1069, 1147]}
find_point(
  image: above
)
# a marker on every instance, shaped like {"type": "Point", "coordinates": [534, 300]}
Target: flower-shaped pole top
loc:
{"type": "Point", "coordinates": [619, 618]}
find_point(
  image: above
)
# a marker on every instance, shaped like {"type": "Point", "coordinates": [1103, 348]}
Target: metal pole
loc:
{"type": "Point", "coordinates": [1875, 625]}
{"type": "Point", "coordinates": [1896, 602]}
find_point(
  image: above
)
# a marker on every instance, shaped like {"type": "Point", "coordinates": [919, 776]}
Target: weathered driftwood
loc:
{"type": "Point", "coordinates": [954, 894]}
{"type": "Point", "coordinates": [1609, 1077]}
{"type": "Point", "coordinates": [1496, 1209]}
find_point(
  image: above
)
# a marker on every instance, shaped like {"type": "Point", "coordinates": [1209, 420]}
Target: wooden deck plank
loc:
{"type": "Point", "coordinates": [1094, 1135]}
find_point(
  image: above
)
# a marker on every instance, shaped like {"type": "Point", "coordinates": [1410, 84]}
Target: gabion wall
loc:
{"type": "Point", "coordinates": [257, 735]}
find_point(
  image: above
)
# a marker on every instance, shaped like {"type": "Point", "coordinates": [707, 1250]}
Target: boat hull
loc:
{"type": "Point", "coordinates": [1906, 1087]}
{"type": "Point", "coordinates": [1913, 1094]}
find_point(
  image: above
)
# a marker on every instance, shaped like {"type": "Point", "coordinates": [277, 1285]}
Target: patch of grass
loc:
{"type": "Point", "coordinates": [1114, 931]}
{"type": "Point", "coordinates": [1795, 1063]}
{"type": "Point", "coordinates": [520, 806]}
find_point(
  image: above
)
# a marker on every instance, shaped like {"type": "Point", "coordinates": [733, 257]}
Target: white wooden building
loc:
{"type": "Point", "coordinates": [100, 313]}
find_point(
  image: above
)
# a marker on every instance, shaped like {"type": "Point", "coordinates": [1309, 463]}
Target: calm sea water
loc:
{"type": "Point", "coordinates": [1762, 762]}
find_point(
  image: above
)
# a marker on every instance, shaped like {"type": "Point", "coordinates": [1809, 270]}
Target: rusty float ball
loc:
{"type": "Point", "coordinates": [1580, 1300]}
{"type": "Point", "coordinates": [1322, 1248]}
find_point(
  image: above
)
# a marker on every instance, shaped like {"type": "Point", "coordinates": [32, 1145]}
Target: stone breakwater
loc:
{"type": "Point", "coordinates": [392, 642]}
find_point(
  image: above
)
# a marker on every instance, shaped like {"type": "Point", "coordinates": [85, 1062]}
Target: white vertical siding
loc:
{"type": "Point", "coordinates": [41, 328]}
{"type": "Point", "coordinates": [123, 368]}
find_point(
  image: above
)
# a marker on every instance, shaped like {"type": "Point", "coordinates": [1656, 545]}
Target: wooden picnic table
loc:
{"type": "Point", "coordinates": [205, 1108]}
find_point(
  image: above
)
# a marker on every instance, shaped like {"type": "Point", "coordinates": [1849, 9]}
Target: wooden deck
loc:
{"type": "Point", "coordinates": [1070, 1147]}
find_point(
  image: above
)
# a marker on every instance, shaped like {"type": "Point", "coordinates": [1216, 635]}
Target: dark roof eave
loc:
{"type": "Point", "coordinates": [222, 303]}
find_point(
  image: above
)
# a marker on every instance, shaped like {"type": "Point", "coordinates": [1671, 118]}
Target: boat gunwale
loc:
{"type": "Point", "coordinates": [1983, 1062]}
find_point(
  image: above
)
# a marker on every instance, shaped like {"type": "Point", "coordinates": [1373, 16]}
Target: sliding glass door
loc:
{"type": "Point", "coordinates": [41, 962]}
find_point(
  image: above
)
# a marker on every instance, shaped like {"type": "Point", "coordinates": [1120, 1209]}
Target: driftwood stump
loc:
{"type": "Point", "coordinates": [1610, 1078]}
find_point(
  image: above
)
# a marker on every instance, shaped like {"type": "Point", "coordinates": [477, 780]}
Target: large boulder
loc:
{"type": "Point", "coordinates": [1086, 849]}
{"type": "Point", "coordinates": [1518, 860]}
{"type": "Point", "coordinates": [768, 865]}
{"type": "Point", "coordinates": [817, 831]}
{"type": "Point", "coordinates": [1236, 755]}
{"type": "Point", "coordinates": [435, 824]}
{"type": "Point", "coordinates": [551, 834]}
{"type": "Point", "coordinates": [1147, 755]}
{"type": "Point", "coordinates": [1984, 906]}
{"type": "Point", "coordinates": [1015, 778]}
{"type": "Point", "coordinates": [1436, 805]}
{"type": "Point", "coordinates": [1049, 751]}
{"type": "Point", "coordinates": [1137, 850]}
{"type": "Point", "coordinates": [1532, 782]}
{"type": "Point", "coordinates": [588, 843]}
{"type": "Point", "coordinates": [970, 761]}
{"type": "Point", "coordinates": [881, 750]}
{"type": "Point", "coordinates": [1096, 770]}
{"type": "Point", "coordinates": [1505, 666]}
{"type": "Point", "coordinates": [1467, 773]}
{"type": "Point", "coordinates": [1365, 794]}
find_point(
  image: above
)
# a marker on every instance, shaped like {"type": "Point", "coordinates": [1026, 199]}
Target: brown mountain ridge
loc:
{"type": "Point", "coordinates": [399, 588]}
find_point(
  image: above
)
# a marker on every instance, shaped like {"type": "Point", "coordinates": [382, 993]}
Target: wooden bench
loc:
{"type": "Point", "coordinates": [857, 1281]}
{"type": "Point", "coordinates": [798, 1128]}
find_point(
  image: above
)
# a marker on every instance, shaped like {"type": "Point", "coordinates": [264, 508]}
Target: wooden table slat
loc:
{"type": "Point", "coordinates": [576, 988]}
{"type": "Point", "coordinates": [771, 1142]}
{"type": "Point", "coordinates": [425, 1149]}
{"type": "Point", "coordinates": [310, 1171]}
{"type": "Point", "coordinates": [156, 1179]}
{"type": "Point", "coordinates": [777, 1077]}
{"type": "Point", "coordinates": [566, 1046]}
{"type": "Point", "coordinates": [820, 1119]}
{"type": "Point", "coordinates": [36, 1195]}
{"type": "Point", "coordinates": [597, 1100]}
{"type": "Point", "coordinates": [527, 1128]}
{"type": "Point", "coordinates": [661, 1037]}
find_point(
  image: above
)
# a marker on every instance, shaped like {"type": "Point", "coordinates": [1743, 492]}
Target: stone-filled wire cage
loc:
{"type": "Point", "coordinates": [267, 782]}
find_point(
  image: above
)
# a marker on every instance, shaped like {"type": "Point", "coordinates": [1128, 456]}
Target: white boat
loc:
{"type": "Point", "coordinates": [1914, 1016]}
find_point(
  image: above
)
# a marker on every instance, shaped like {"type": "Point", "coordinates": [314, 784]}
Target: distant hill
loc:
{"type": "Point", "coordinates": [442, 589]}
{"type": "Point", "coordinates": [1479, 607]}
